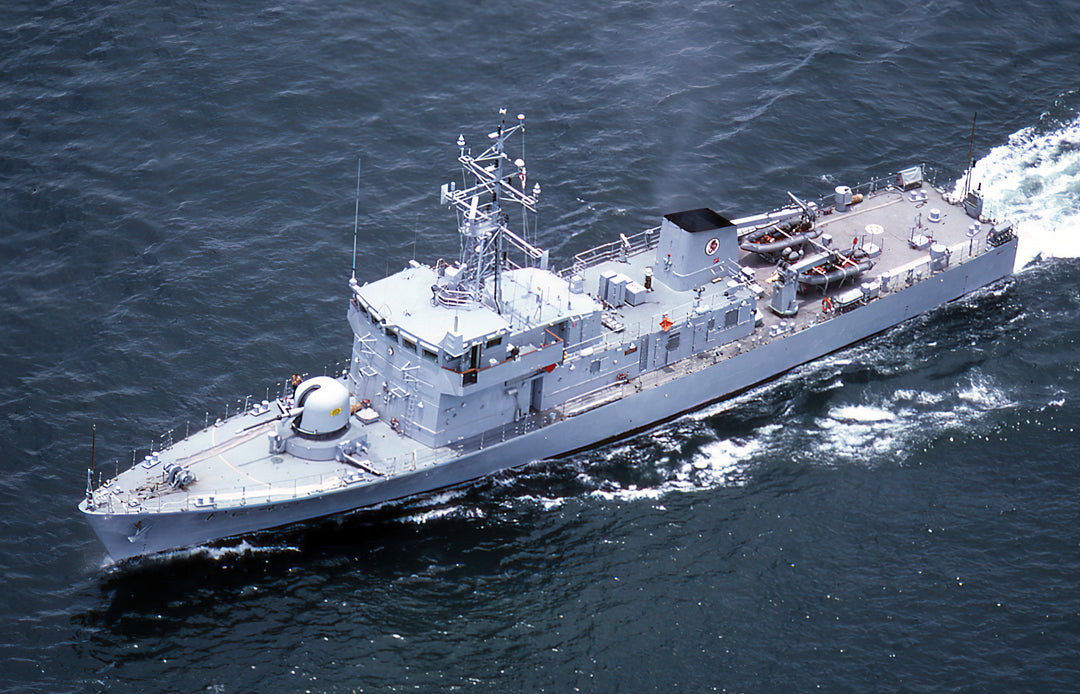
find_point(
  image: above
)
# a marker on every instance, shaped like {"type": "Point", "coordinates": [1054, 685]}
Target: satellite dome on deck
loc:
{"type": "Point", "coordinates": [326, 406]}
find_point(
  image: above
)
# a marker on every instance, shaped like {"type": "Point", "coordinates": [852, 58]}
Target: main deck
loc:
{"type": "Point", "coordinates": [911, 236]}
{"type": "Point", "coordinates": [234, 466]}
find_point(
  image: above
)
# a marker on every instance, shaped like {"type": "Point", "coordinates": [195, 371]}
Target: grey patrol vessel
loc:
{"type": "Point", "coordinates": [460, 369]}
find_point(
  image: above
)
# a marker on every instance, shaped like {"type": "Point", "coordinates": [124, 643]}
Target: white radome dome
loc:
{"type": "Point", "coordinates": [326, 406]}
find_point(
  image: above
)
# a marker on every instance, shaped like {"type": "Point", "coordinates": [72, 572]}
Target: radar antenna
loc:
{"type": "Point", "coordinates": [486, 236]}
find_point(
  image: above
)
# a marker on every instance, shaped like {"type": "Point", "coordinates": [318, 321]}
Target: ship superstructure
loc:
{"type": "Point", "coordinates": [493, 360]}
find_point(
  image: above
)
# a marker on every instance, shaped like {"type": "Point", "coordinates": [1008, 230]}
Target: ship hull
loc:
{"type": "Point", "coordinates": [129, 535]}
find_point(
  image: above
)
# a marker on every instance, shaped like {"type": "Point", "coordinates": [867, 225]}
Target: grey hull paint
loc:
{"type": "Point", "coordinates": [125, 536]}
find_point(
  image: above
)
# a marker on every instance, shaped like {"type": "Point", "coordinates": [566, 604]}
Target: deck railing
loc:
{"type": "Point", "coordinates": [637, 243]}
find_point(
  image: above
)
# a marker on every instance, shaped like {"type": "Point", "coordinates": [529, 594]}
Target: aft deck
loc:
{"type": "Point", "coordinates": [883, 224]}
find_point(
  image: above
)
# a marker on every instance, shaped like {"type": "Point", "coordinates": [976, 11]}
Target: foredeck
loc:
{"type": "Point", "coordinates": [234, 467]}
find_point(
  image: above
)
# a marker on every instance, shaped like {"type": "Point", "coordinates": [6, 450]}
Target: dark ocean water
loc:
{"type": "Point", "coordinates": [176, 209]}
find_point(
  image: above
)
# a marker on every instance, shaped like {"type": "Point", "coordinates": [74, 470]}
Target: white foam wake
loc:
{"type": "Point", "coordinates": [1034, 180]}
{"type": "Point", "coordinates": [241, 548]}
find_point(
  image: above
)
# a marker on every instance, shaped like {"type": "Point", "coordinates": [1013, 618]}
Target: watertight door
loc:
{"type": "Point", "coordinates": [536, 398]}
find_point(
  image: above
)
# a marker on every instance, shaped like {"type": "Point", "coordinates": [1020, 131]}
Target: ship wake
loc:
{"type": "Point", "coordinates": [1034, 180]}
{"type": "Point", "coordinates": [867, 428]}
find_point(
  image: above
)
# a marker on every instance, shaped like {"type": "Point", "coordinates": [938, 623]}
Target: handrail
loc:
{"type": "Point", "coordinates": [638, 243]}
{"type": "Point", "coordinates": [453, 298]}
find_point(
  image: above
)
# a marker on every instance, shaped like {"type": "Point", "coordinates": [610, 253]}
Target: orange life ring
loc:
{"type": "Point", "coordinates": [826, 305]}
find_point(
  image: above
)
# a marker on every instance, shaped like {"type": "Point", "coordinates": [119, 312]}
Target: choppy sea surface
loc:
{"type": "Point", "coordinates": [177, 186]}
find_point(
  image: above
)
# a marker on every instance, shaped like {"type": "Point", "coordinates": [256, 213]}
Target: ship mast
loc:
{"type": "Point", "coordinates": [482, 222]}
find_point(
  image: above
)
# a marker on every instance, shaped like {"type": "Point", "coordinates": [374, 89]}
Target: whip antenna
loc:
{"type": "Point", "coordinates": [356, 218]}
{"type": "Point", "coordinates": [971, 147]}
{"type": "Point", "coordinates": [90, 470]}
